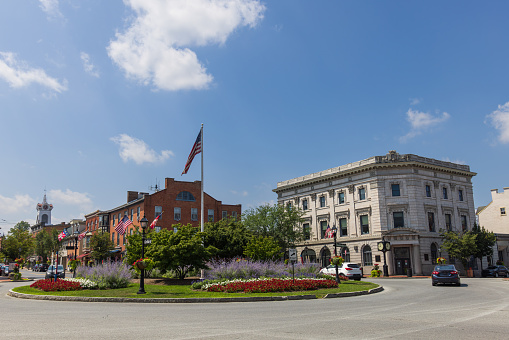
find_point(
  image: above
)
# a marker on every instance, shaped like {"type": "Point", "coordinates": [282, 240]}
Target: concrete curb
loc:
{"type": "Point", "coordinates": [186, 300]}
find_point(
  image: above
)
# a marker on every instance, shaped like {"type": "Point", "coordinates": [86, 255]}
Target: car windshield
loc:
{"type": "Point", "coordinates": [446, 267]}
{"type": "Point", "coordinates": [60, 268]}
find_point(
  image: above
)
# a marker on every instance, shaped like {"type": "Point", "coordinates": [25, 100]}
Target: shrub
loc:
{"type": "Point", "coordinates": [49, 285]}
{"type": "Point", "coordinates": [107, 275]}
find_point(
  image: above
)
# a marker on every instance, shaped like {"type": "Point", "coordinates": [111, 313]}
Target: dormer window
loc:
{"type": "Point", "coordinates": [185, 196]}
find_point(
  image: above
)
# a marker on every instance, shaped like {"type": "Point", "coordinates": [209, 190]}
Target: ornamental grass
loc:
{"type": "Point", "coordinates": [59, 285]}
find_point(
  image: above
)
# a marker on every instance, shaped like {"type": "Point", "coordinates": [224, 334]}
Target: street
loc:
{"type": "Point", "coordinates": [407, 309]}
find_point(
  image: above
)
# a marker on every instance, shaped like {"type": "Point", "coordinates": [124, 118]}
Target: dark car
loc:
{"type": "Point", "coordinates": [4, 269]}
{"type": "Point", "coordinates": [42, 267]}
{"type": "Point", "coordinates": [35, 267]}
{"type": "Point", "coordinates": [445, 273]}
{"type": "Point", "coordinates": [50, 273]}
{"type": "Point", "coordinates": [495, 271]}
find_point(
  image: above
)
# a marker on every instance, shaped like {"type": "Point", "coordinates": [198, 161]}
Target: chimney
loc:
{"type": "Point", "coordinates": [131, 196]}
{"type": "Point", "coordinates": [168, 182]}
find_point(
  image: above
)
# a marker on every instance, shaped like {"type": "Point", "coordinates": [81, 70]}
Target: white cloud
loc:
{"type": "Point", "coordinates": [138, 151]}
{"type": "Point", "coordinates": [500, 121]}
{"type": "Point", "coordinates": [50, 7]}
{"type": "Point", "coordinates": [18, 74]}
{"type": "Point", "coordinates": [415, 101]}
{"type": "Point", "coordinates": [69, 197]}
{"type": "Point", "coordinates": [447, 159]}
{"type": "Point", "coordinates": [17, 204]}
{"type": "Point", "coordinates": [155, 48]}
{"type": "Point", "coordinates": [88, 66]}
{"type": "Point", "coordinates": [242, 193]}
{"type": "Point", "coordinates": [422, 121]}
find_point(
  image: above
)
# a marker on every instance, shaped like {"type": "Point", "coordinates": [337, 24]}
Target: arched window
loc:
{"type": "Point", "coordinates": [434, 253]}
{"type": "Point", "coordinates": [308, 256]}
{"type": "Point", "coordinates": [345, 254]}
{"type": "Point", "coordinates": [44, 219]}
{"type": "Point", "coordinates": [185, 196]}
{"type": "Point", "coordinates": [367, 258]}
{"type": "Point", "coordinates": [325, 257]}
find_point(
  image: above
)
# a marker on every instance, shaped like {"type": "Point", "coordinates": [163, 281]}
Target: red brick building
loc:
{"type": "Point", "coordinates": [180, 202]}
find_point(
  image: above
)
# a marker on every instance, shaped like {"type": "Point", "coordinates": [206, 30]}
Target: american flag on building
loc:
{"type": "Point", "coordinates": [194, 151]}
{"type": "Point", "coordinates": [62, 235]}
{"type": "Point", "coordinates": [81, 236]}
{"type": "Point", "coordinates": [154, 222]}
{"type": "Point", "coordinates": [122, 225]}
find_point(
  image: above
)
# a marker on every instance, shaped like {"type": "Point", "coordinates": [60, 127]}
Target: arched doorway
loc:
{"type": "Point", "coordinates": [308, 256]}
{"type": "Point", "coordinates": [345, 254]}
{"type": "Point", "coordinates": [325, 257]}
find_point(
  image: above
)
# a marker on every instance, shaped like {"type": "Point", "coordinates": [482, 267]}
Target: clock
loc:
{"type": "Point", "coordinates": [45, 207]}
{"type": "Point", "coordinates": [380, 246]}
{"type": "Point", "coordinates": [387, 246]}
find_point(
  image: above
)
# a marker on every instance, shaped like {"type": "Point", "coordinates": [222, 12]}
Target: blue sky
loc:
{"type": "Point", "coordinates": [101, 97]}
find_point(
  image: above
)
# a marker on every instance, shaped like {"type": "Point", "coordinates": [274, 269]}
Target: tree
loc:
{"type": "Point", "coordinates": [46, 243]}
{"type": "Point", "coordinates": [19, 242]}
{"type": "Point", "coordinates": [262, 248]}
{"type": "Point", "coordinates": [101, 246]}
{"type": "Point", "coordinates": [460, 246]}
{"type": "Point", "coordinates": [278, 221]}
{"type": "Point", "coordinates": [228, 236]}
{"type": "Point", "coordinates": [485, 241]}
{"type": "Point", "coordinates": [179, 251]}
{"type": "Point", "coordinates": [133, 246]}
{"type": "Point", "coordinates": [23, 226]}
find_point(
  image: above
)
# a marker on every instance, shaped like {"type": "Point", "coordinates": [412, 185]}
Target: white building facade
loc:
{"type": "Point", "coordinates": [405, 199]}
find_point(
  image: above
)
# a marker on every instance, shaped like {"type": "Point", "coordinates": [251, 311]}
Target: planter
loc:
{"type": "Point", "coordinates": [141, 265]}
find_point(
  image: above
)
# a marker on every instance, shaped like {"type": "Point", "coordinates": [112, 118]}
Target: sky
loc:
{"type": "Point", "coordinates": [101, 97]}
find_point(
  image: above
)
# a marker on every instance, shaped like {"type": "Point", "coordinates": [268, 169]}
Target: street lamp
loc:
{"type": "Point", "coordinates": [143, 223]}
{"type": "Point", "coordinates": [334, 233]}
{"type": "Point", "coordinates": [76, 232]}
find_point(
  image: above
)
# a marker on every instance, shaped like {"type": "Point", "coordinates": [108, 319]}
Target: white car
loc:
{"type": "Point", "coordinates": [348, 269]}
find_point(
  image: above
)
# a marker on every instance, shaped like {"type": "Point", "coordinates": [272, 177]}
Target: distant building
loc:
{"type": "Point", "coordinates": [406, 199]}
{"type": "Point", "coordinates": [179, 202]}
{"type": "Point", "coordinates": [494, 217]}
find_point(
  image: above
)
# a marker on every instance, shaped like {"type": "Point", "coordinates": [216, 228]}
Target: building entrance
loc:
{"type": "Point", "coordinates": [402, 260]}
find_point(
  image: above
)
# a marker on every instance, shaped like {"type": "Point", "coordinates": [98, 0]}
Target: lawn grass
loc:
{"type": "Point", "coordinates": [178, 291]}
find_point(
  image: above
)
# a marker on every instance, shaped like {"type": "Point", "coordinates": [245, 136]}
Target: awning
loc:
{"type": "Point", "coordinates": [82, 256]}
{"type": "Point", "coordinates": [115, 250]}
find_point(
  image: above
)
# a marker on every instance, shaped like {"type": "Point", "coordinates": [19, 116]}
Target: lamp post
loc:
{"type": "Point", "coordinates": [386, 268]}
{"type": "Point", "coordinates": [334, 233]}
{"type": "Point", "coordinates": [143, 223]}
{"type": "Point", "coordinates": [76, 232]}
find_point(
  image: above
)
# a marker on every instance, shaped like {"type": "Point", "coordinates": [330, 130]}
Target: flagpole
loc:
{"type": "Point", "coordinates": [202, 205]}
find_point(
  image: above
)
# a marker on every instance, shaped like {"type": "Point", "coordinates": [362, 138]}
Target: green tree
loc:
{"type": "Point", "coordinates": [18, 243]}
{"type": "Point", "coordinates": [179, 251]}
{"type": "Point", "coordinates": [101, 246]}
{"type": "Point", "coordinates": [485, 241]}
{"type": "Point", "coordinates": [46, 243]}
{"type": "Point", "coordinates": [460, 246]}
{"type": "Point", "coordinates": [262, 248]}
{"type": "Point", "coordinates": [228, 236]}
{"type": "Point", "coordinates": [277, 221]}
{"type": "Point", "coordinates": [133, 246]}
{"type": "Point", "coordinates": [23, 226]}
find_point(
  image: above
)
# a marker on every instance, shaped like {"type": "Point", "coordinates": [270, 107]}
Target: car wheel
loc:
{"type": "Point", "coordinates": [458, 284]}
{"type": "Point", "coordinates": [433, 283]}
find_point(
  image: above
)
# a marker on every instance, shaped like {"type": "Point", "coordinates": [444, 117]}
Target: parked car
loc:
{"type": "Point", "coordinates": [4, 269]}
{"type": "Point", "coordinates": [495, 271]}
{"type": "Point", "coordinates": [348, 269]}
{"type": "Point", "coordinates": [446, 273]}
{"type": "Point", "coordinates": [42, 267]}
{"type": "Point", "coordinates": [35, 267]}
{"type": "Point", "coordinates": [50, 273]}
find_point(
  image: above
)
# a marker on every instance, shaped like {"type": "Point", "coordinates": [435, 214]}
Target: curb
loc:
{"type": "Point", "coordinates": [187, 300]}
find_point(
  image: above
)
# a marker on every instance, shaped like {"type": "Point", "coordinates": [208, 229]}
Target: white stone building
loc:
{"type": "Point", "coordinates": [407, 199]}
{"type": "Point", "coordinates": [494, 217]}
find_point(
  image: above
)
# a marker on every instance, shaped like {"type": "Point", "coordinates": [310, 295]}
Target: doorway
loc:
{"type": "Point", "coordinates": [402, 260]}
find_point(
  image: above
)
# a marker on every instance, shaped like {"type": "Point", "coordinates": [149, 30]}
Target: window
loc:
{"type": "Point", "coordinates": [176, 214]}
{"type": "Point", "coordinates": [464, 223]}
{"type": "Point", "coordinates": [113, 220]}
{"type": "Point", "coordinates": [362, 194]}
{"type": "Point", "coordinates": [367, 259]}
{"type": "Point", "coordinates": [113, 238]}
{"type": "Point", "coordinates": [345, 253]}
{"type": "Point", "coordinates": [395, 190]}
{"type": "Point", "coordinates": [323, 228]}
{"type": "Point", "coordinates": [460, 195]}
{"type": "Point", "coordinates": [119, 217]}
{"type": "Point", "coordinates": [444, 191]}
{"type": "Point", "coordinates": [185, 196]}
{"type": "Point", "coordinates": [194, 214]}
{"type": "Point", "coordinates": [211, 215]}
{"type": "Point", "coordinates": [118, 239]}
{"type": "Point", "coordinates": [131, 231]}
{"type": "Point", "coordinates": [224, 214]}
{"type": "Point", "coordinates": [434, 253]}
{"type": "Point", "coordinates": [158, 211]}
{"type": "Point", "coordinates": [431, 221]}
{"type": "Point", "coordinates": [306, 231]}
{"type": "Point", "coordinates": [364, 224]}
{"type": "Point", "coordinates": [289, 205]}
{"type": "Point", "coordinates": [123, 239]}
{"type": "Point", "coordinates": [138, 213]}
{"type": "Point", "coordinates": [428, 191]}
{"type": "Point", "coordinates": [502, 211]}
{"type": "Point", "coordinates": [341, 197]}
{"type": "Point", "coordinates": [157, 229]}
{"type": "Point", "coordinates": [343, 229]}
{"type": "Point", "coordinates": [399, 221]}
{"type": "Point", "coordinates": [322, 201]}
{"type": "Point", "coordinates": [234, 215]}
{"type": "Point", "coordinates": [132, 213]}
{"type": "Point", "coordinates": [304, 204]}
{"type": "Point", "coordinates": [448, 224]}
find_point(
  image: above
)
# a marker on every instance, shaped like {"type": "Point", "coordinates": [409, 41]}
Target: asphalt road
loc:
{"type": "Point", "coordinates": [407, 309]}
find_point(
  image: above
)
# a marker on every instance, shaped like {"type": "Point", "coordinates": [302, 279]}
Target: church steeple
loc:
{"type": "Point", "coordinates": [44, 211]}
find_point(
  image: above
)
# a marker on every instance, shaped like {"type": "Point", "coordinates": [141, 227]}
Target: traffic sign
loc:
{"type": "Point", "coordinates": [292, 253]}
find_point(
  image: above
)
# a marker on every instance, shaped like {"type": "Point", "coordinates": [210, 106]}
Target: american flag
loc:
{"type": "Point", "coordinates": [80, 236]}
{"type": "Point", "coordinates": [328, 232]}
{"type": "Point", "coordinates": [194, 151]}
{"type": "Point", "coordinates": [62, 235]}
{"type": "Point", "coordinates": [154, 222]}
{"type": "Point", "coordinates": [122, 225]}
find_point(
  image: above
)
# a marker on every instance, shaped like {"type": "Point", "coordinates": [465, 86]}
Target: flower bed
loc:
{"type": "Point", "coordinates": [48, 285]}
{"type": "Point", "coordinates": [269, 285]}
{"type": "Point", "coordinates": [84, 283]}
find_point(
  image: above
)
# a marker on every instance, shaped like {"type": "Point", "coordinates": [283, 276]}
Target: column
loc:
{"type": "Point", "coordinates": [417, 259]}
